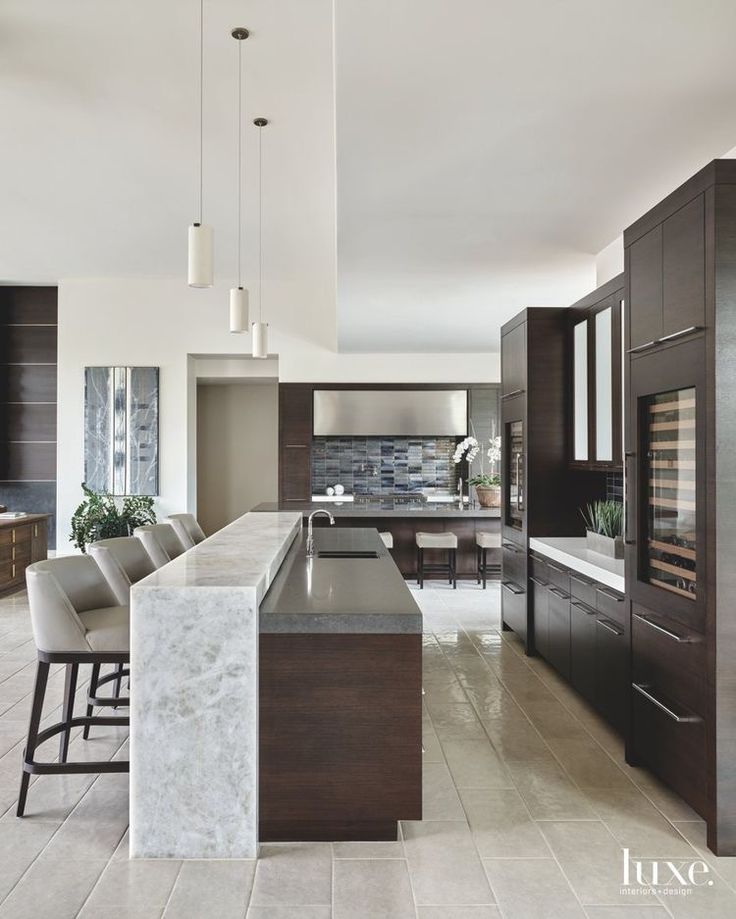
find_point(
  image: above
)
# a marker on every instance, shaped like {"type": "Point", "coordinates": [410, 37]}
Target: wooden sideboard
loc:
{"type": "Point", "coordinates": [22, 541]}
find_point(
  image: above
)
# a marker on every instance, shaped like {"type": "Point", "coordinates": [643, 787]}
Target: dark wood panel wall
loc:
{"type": "Point", "coordinates": [28, 357]}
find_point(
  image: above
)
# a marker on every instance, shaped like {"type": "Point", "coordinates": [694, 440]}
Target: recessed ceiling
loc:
{"type": "Point", "coordinates": [484, 150]}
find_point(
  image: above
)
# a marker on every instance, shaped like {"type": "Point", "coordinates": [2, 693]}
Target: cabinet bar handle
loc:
{"type": "Point", "coordinates": [610, 594]}
{"type": "Point", "coordinates": [681, 333]}
{"type": "Point", "coordinates": [605, 624]}
{"type": "Point", "coordinates": [681, 719]}
{"type": "Point", "coordinates": [581, 579]}
{"type": "Point", "coordinates": [660, 628]}
{"type": "Point", "coordinates": [514, 392]}
{"type": "Point", "coordinates": [583, 606]}
{"type": "Point", "coordinates": [512, 548]}
{"type": "Point", "coordinates": [512, 587]}
{"type": "Point", "coordinates": [628, 541]}
{"type": "Point", "coordinates": [556, 568]}
{"type": "Point", "coordinates": [559, 593]}
{"type": "Point", "coordinates": [647, 344]}
{"type": "Point", "coordinates": [539, 583]}
{"type": "Point", "coordinates": [301, 446]}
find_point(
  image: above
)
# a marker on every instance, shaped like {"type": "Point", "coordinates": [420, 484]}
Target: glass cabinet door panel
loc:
{"type": "Point", "coordinates": [669, 482]}
{"type": "Point", "coordinates": [515, 493]}
{"type": "Point", "coordinates": [604, 385]}
{"type": "Point", "coordinates": [580, 390]}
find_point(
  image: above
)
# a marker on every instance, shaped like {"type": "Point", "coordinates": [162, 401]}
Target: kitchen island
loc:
{"type": "Point", "coordinates": [403, 518]}
{"type": "Point", "coordinates": [325, 653]}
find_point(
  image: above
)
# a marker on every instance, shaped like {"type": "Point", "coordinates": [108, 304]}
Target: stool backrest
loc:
{"type": "Point", "coordinates": [123, 561]}
{"type": "Point", "coordinates": [187, 529]}
{"type": "Point", "coordinates": [160, 541]}
{"type": "Point", "coordinates": [59, 589]}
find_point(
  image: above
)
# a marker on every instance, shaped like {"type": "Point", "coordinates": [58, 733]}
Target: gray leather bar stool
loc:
{"type": "Point", "coordinates": [388, 540]}
{"type": "Point", "coordinates": [76, 619]}
{"type": "Point", "coordinates": [160, 541]}
{"type": "Point", "coordinates": [484, 542]}
{"type": "Point", "coordinates": [187, 529]}
{"type": "Point", "coordinates": [447, 541]}
{"type": "Point", "coordinates": [123, 561]}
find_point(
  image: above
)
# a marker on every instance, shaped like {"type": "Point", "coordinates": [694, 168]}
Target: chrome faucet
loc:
{"type": "Point", "coordinates": [310, 537]}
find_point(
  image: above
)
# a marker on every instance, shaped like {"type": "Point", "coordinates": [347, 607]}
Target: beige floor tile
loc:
{"type": "Point", "coordinates": [440, 799]}
{"type": "Point", "coordinates": [444, 865]}
{"type": "Point", "coordinates": [553, 721]}
{"type": "Point", "coordinates": [368, 850]}
{"type": "Point", "coordinates": [458, 912]}
{"type": "Point", "coordinates": [475, 764]}
{"type": "Point", "coordinates": [215, 889]}
{"type": "Point", "coordinates": [501, 825]}
{"type": "Point", "coordinates": [626, 912]}
{"type": "Point", "coordinates": [456, 721]}
{"type": "Point", "coordinates": [372, 889]}
{"type": "Point", "coordinates": [20, 843]}
{"type": "Point", "coordinates": [587, 764]}
{"type": "Point", "coordinates": [135, 884]}
{"type": "Point", "coordinates": [432, 749]}
{"type": "Point", "coordinates": [695, 833]}
{"type": "Point", "coordinates": [590, 858]}
{"type": "Point", "coordinates": [52, 889]}
{"type": "Point", "coordinates": [97, 824]}
{"type": "Point", "coordinates": [289, 912]}
{"type": "Point", "coordinates": [293, 874]}
{"type": "Point", "coordinates": [548, 792]}
{"type": "Point", "coordinates": [532, 889]}
{"type": "Point", "coordinates": [120, 912]}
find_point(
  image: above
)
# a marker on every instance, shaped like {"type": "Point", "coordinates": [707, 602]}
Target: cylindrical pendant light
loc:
{"type": "Point", "coordinates": [260, 328]}
{"type": "Point", "coordinates": [238, 295]}
{"type": "Point", "coordinates": [201, 271]}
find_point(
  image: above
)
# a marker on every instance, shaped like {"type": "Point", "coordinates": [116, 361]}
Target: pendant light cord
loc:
{"type": "Point", "coordinates": [240, 155]}
{"type": "Point", "coordinates": [260, 223]}
{"type": "Point", "coordinates": [201, 107]}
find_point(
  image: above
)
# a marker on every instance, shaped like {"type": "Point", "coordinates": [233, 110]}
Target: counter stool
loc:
{"type": "Point", "coordinates": [446, 541]}
{"type": "Point", "coordinates": [123, 561]}
{"type": "Point", "coordinates": [484, 542]}
{"type": "Point", "coordinates": [76, 619]}
{"type": "Point", "coordinates": [160, 541]}
{"type": "Point", "coordinates": [187, 529]}
{"type": "Point", "coordinates": [388, 540]}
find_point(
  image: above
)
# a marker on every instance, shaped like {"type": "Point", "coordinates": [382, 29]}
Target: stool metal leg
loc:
{"type": "Point", "coordinates": [421, 569]}
{"type": "Point", "coordinates": [70, 688]}
{"type": "Point", "coordinates": [485, 567]}
{"type": "Point", "coordinates": [118, 682]}
{"type": "Point", "coordinates": [42, 676]}
{"type": "Point", "coordinates": [477, 564]}
{"type": "Point", "coordinates": [92, 693]}
{"type": "Point", "coordinates": [453, 567]}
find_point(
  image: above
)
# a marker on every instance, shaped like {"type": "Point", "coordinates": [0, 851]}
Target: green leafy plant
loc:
{"type": "Point", "coordinates": [100, 517]}
{"type": "Point", "coordinates": [485, 481]}
{"type": "Point", "coordinates": [605, 518]}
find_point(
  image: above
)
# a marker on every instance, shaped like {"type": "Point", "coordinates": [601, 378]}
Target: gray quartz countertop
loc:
{"type": "Point", "coordinates": [386, 508]}
{"type": "Point", "coordinates": [573, 551]}
{"type": "Point", "coordinates": [339, 595]}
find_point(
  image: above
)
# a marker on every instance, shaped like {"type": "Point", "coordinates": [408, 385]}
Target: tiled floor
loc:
{"type": "Point", "coordinates": [528, 803]}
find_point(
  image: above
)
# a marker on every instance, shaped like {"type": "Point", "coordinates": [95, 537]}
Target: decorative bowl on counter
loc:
{"type": "Point", "coordinates": [488, 495]}
{"type": "Point", "coordinates": [613, 547]}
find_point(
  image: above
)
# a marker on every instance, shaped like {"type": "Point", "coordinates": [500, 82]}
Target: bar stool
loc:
{"type": "Point", "coordinates": [76, 619]}
{"type": "Point", "coordinates": [187, 529]}
{"type": "Point", "coordinates": [123, 561]}
{"type": "Point", "coordinates": [160, 541]}
{"type": "Point", "coordinates": [446, 541]}
{"type": "Point", "coordinates": [388, 540]}
{"type": "Point", "coordinates": [484, 542]}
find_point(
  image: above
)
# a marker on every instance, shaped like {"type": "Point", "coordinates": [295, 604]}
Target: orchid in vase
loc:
{"type": "Point", "coordinates": [487, 485]}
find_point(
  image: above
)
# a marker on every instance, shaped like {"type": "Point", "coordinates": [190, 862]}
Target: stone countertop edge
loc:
{"type": "Point", "coordinates": [371, 511]}
{"type": "Point", "coordinates": [571, 551]}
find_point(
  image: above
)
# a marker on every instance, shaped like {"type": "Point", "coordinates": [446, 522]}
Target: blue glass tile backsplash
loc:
{"type": "Point", "coordinates": [379, 466]}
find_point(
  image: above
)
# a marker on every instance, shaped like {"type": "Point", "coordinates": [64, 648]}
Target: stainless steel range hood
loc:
{"type": "Point", "coordinates": [390, 413]}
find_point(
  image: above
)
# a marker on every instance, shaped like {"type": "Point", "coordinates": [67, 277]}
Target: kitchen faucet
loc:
{"type": "Point", "coordinates": [310, 537]}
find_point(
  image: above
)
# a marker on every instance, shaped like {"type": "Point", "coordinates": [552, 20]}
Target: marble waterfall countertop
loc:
{"type": "Point", "coordinates": [388, 507]}
{"type": "Point", "coordinates": [194, 708]}
{"type": "Point", "coordinates": [573, 551]}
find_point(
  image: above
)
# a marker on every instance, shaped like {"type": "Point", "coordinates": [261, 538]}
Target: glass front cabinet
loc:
{"type": "Point", "coordinates": [666, 478]}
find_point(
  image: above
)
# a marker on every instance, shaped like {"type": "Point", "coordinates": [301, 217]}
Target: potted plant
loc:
{"type": "Point", "coordinates": [487, 485]}
{"type": "Point", "coordinates": [99, 517]}
{"type": "Point", "coordinates": [604, 525]}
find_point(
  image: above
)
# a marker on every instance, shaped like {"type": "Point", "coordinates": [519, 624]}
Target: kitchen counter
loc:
{"type": "Point", "coordinates": [386, 508]}
{"type": "Point", "coordinates": [573, 552]}
{"type": "Point", "coordinates": [345, 595]}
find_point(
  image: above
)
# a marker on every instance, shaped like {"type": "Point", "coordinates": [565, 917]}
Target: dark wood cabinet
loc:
{"type": "Point", "coordinates": [513, 360]}
{"type": "Point", "coordinates": [683, 268]}
{"type": "Point", "coordinates": [295, 442]}
{"type": "Point", "coordinates": [558, 639]}
{"type": "Point", "coordinates": [611, 690]}
{"type": "Point", "coordinates": [22, 542]}
{"type": "Point", "coordinates": [583, 648]}
{"type": "Point", "coordinates": [645, 288]}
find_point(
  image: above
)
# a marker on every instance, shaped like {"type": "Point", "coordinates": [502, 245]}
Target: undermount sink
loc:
{"type": "Point", "coordinates": [347, 553]}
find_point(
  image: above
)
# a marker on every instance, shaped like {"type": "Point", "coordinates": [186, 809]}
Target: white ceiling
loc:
{"type": "Point", "coordinates": [484, 151]}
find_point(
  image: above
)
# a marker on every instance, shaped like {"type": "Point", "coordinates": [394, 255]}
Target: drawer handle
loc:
{"type": "Point", "coordinates": [559, 593]}
{"type": "Point", "coordinates": [660, 628]}
{"type": "Point", "coordinates": [673, 335]}
{"type": "Point", "coordinates": [609, 627]}
{"type": "Point", "coordinates": [680, 719]}
{"type": "Point", "coordinates": [301, 446]}
{"type": "Point", "coordinates": [583, 606]}
{"type": "Point", "coordinates": [539, 583]}
{"type": "Point", "coordinates": [556, 568]}
{"type": "Point", "coordinates": [581, 579]}
{"type": "Point", "coordinates": [611, 595]}
{"type": "Point", "coordinates": [644, 347]}
{"type": "Point", "coordinates": [512, 548]}
{"type": "Point", "coordinates": [512, 587]}
{"type": "Point", "coordinates": [514, 392]}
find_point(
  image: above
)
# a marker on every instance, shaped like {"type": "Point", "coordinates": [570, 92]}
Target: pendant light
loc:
{"type": "Point", "coordinates": [238, 295]}
{"type": "Point", "coordinates": [260, 328]}
{"type": "Point", "coordinates": [201, 257]}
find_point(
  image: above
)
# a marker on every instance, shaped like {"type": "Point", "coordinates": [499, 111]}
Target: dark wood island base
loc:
{"type": "Point", "coordinates": [340, 736]}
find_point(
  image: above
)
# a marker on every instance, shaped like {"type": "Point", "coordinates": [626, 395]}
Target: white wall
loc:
{"type": "Point", "coordinates": [609, 262]}
{"type": "Point", "coordinates": [164, 323]}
